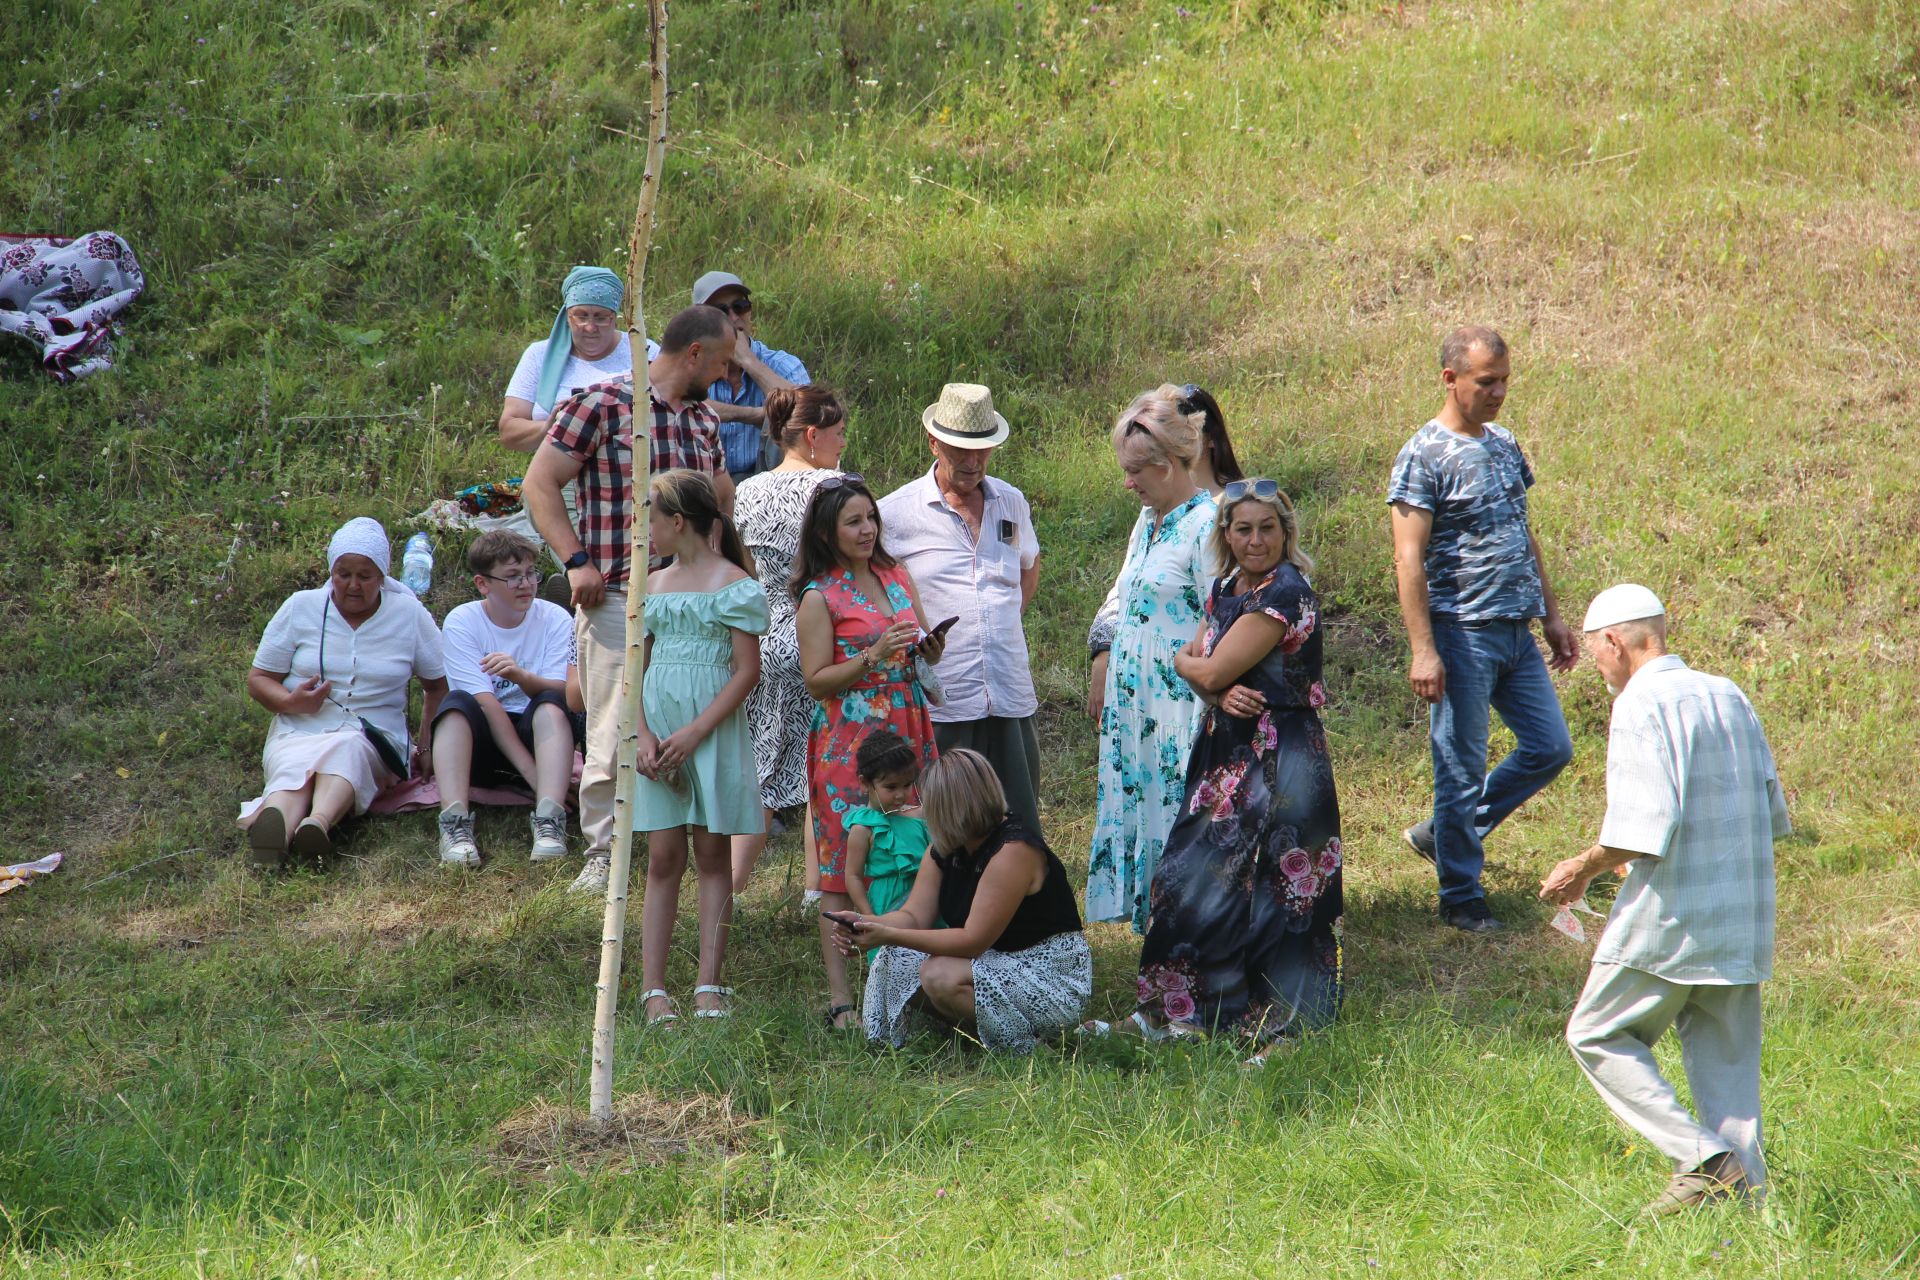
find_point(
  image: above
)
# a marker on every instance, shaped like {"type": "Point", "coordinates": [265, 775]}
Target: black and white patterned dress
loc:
{"type": "Point", "coordinates": [769, 509]}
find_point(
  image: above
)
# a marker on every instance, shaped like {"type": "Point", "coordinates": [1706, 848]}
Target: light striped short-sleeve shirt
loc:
{"type": "Point", "coordinates": [1691, 786]}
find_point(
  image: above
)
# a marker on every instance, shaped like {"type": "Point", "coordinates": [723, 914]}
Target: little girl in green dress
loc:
{"type": "Point", "coordinates": [704, 613]}
{"type": "Point", "coordinates": [886, 837]}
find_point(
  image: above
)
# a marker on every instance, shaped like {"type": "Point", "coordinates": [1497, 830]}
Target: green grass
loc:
{"type": "Point", "coordinates": [1699, 224]}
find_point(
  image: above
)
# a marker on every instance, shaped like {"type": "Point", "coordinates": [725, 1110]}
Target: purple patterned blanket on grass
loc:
{"type": "Point", "coordinates": [63, 295]}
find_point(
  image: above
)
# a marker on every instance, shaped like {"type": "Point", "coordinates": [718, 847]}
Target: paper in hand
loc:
{"type": "Point", "coordinates": [1566, 922]}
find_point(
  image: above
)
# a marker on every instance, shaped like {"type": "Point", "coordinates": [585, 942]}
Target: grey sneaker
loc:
{"type": "Point", "coordinates": [457, 846]}
{"type": "Point", "coordinates": [549, 832]}
{"type": "Point", "coordinates": [593, 876]}
{"type": "Point", "coordinates": [1419, 838]}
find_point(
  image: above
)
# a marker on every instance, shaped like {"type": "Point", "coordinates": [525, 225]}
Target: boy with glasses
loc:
{"type": "Point", "coordinates": [740, 398]}
{"type": "Point", "coordinates": [506, 719]}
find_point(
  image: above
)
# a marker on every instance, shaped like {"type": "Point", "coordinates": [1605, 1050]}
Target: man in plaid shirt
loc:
{"type": "Point", "coordinates": [1693, 808]}
{"type": "Point", "coordinates": [591, 436]}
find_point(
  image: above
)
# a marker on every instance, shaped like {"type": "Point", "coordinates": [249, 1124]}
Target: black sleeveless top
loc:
{"type": "Point", "coordinates": [1040, 915]}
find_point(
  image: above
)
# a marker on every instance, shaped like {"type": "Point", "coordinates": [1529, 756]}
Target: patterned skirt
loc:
{"type": "Point", "coordinates": [1018, 996]}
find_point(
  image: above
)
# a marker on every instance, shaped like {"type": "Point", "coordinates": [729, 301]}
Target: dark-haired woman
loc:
{"type": "Point", "coordinates": [1246, 904]}
{"type": "Point", "coordinates": [1216, 466]}
{"type": "Point", "coordinates": [859, 626]}
{"type": "Point", "coordinates": [810, 426]}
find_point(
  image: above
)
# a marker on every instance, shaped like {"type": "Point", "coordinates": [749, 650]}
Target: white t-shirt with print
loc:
{"type": "Point", "coordinates": [617, 363]}
{"type": "Point", "coordinates": [542, 644]}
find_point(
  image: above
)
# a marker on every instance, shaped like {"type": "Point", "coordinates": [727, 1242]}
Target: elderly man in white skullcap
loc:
{"type": "Point", "coordinates": [333, 668]}
{"type": "Point", "coordinates": [1693, 809]}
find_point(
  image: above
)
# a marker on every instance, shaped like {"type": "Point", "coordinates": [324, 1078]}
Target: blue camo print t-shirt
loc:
{"type": "Point", "coordinates": [1480, 566]}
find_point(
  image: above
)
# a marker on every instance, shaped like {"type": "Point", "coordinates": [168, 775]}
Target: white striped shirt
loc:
{"type": "Point", "coordinates": [1691, 786]}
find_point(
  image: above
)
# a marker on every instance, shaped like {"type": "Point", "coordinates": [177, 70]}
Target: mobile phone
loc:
{"type": "Point", "coordinates": [835, 917]}
{"type": "Point", "coordinates": [941, 628]}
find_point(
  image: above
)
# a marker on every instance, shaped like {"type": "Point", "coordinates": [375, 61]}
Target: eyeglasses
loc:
{"type": "Point", "coordinates": [848, 480]}
{"type": "Point", "coordinates": [1259, 487]}
{"type": "Point", "coordinates": [531, 578]}
{"type": "Point", "coordinates": [739, 306]}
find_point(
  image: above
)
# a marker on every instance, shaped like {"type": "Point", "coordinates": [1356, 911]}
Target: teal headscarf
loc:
{"type": "Point", "coordinates": [584, 287]}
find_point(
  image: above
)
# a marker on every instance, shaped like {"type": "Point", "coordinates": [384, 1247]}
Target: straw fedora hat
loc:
{"type": "Point", "coordinates": [964, 417]}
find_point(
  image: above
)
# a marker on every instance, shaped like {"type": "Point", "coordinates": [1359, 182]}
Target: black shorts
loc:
{"type": "Point", "coordinates": [491, 768]}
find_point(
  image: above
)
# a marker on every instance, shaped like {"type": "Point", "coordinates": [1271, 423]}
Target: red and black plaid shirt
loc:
{"type": "Point", "coordinates": [596, 428]}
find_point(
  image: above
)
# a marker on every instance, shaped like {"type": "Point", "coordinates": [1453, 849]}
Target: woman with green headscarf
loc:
{"type": "Point", "coordinates": [587, 346]}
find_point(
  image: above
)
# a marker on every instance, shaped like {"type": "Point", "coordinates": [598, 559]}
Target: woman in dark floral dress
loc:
{"type": "Point", "coordinates": [1246, 904]}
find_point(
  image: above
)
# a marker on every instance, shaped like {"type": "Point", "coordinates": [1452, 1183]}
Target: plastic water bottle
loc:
{"type": "Point", "coordinates": [416, 566]}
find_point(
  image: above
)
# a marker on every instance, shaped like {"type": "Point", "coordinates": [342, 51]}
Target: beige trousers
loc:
{"type": "Point", "coordinates": [600, 636]}
{"type": "Point", "coordinates": [1623, 1012]}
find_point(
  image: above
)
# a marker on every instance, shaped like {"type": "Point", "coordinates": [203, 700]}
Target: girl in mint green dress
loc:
{"type": "Point", "coordinates": [694, 754]}
{"type": "Point", "coordinates": [886, 837]}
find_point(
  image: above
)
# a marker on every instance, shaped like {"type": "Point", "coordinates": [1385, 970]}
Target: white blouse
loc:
{"type": "Point", "coordinates": [369, 665]}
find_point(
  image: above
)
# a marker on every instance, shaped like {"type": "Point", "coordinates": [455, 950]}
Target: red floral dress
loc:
{"type": "Point", "coordinates": [888, 697]}
{"type": "Point", "coordinates": [1246, 903]}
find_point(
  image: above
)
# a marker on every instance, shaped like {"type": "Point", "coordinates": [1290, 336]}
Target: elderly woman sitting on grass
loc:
{"type": "Point", "coordinates": [1012, 965]}
{"type": "Point", "coordinates": [333, 668]}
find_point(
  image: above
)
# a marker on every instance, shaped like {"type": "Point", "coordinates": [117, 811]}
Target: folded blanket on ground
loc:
{"type": "Point", "coordinates": [63, 295]}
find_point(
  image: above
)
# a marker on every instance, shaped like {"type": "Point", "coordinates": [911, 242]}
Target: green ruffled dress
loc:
{"type": "Point", "coordinates": [692, 660]}
{"type": "Point", "coordinates": [899, 842]}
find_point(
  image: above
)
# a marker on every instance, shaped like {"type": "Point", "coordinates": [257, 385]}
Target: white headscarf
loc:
{"type": "Point", "coordinates": [365, 536]}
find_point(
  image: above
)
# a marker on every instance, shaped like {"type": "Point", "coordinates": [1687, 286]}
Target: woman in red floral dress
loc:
{"type": "Point", "coordinates": [859, 625]}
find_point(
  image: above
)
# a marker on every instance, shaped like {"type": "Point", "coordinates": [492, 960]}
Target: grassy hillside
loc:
{"type": "Point", "coordinates": [1699, 224]}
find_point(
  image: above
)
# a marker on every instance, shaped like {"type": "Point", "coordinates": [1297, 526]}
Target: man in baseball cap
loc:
{"type": "Point", "coordinates": [1693, 808]}
{"type": "Point", "coordinates": [740, 398]}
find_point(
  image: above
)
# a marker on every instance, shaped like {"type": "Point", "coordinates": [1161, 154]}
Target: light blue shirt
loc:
{"type": "Point", "coordinates": [745, 442]}
{"type": "Point", "coordinates": [1691, 787]}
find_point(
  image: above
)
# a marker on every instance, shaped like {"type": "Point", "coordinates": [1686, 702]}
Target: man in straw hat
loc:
{"type": "Point", "coordinates": [1693, 809]}
{"type": "Point", "coordinates": [968, 541]}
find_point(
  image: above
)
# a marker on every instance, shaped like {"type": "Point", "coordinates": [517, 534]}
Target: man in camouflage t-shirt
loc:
{"type": "Point", "coordinates": [1471, 580]}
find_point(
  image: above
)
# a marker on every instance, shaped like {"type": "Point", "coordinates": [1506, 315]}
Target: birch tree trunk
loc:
{"type": "Point", "coordinates": [614, 930]}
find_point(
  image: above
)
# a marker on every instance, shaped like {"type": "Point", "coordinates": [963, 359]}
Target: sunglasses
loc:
{"type": "Point", "coordinates": [1188, 394]}
{"type": "Point", "coordinates": [848, 480]}
{"type": "Point", "coordinates": [739, 306]}
{"type": "Point", "coordinates": [1259, 487]}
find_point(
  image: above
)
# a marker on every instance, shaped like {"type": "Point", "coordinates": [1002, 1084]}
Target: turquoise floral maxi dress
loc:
{"type": "Point", "coordinates": [1247, 901]}
{"type": "Point", "coordinates": [1146, 728]}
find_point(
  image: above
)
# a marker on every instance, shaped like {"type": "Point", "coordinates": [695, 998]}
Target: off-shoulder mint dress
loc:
{"type": "Point", "coordinates": [692, 660]}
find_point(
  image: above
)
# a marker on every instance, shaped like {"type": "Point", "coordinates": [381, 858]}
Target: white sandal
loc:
{"type": "Point", "coordinates": [659, 1019]}
{"type": "Point", "coordinates": [1142, 1029]}
{"type": "Point", "coordinates": [723, 992]}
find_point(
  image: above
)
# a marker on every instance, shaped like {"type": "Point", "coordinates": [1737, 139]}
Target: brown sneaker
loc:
{"type": "Point", "coordinates": [1718, 1178]}
{"type": "Point", "coordinates": [267, 838]}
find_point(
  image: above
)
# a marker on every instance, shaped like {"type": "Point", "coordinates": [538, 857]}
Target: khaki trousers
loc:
{"type": "Point", "coordinates": [600, 637]}
{"type": "Point", "coordinates": [1623, 1012]}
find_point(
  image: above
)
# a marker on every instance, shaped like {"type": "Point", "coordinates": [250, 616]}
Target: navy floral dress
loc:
{"type": "Point", "coordinates": [1246, 922]}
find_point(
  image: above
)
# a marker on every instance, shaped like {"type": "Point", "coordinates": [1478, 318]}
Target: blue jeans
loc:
{"type": "Point", "coordinates": [1498, 665]}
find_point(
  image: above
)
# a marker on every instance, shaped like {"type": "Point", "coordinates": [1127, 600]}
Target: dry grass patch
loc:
{"type": "Point", "coordinates": [647, 1129]}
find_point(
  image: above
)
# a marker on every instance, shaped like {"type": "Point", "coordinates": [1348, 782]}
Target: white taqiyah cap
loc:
{"type": "Point", "coordinates": [1628, 602]}
{"type": "Point", "coordinates": [713, 282]}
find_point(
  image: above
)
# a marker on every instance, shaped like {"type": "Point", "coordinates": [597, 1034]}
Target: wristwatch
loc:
{"type": "Point", "coordinates": [578, 560]}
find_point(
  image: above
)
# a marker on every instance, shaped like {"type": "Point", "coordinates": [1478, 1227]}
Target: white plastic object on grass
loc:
{"type": "Point", "coordinates": [416, 566]}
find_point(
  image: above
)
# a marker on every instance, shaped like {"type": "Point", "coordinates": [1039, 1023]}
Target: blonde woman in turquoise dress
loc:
{"type": "Point", "coordinates": [1147, 714]}
{"type": "Point", "coordinates": [694, 748]}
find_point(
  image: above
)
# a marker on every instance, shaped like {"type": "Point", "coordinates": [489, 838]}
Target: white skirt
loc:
{"type": "Point", "coordinates": [1018, 996]}
{"type": "Point", "coordinates": [292, 759]}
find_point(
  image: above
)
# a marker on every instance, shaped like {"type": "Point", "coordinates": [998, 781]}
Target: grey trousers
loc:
{"type": "Point", "coordinates": [1623, 1012]}
{"type": "Point", "coordinates": [1013, 749]}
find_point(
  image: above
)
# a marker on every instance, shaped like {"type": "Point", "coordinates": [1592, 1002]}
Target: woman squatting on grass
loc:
{"type": "Point", "coordinates": [704, 614]}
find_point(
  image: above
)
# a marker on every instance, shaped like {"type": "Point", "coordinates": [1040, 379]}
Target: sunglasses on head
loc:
{"type": "Point", "coordinates": [848, 480]}
{"type": "Point", "coordinates": [1259, 487]}
{"type": "Point", "coordinates": [1188, 394]}
{"type": "Point", "coordinates": [739, 306]}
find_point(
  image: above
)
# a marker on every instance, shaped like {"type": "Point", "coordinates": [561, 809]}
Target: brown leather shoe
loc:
{"type": "Point", "coordinates": [1717, 1179]}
